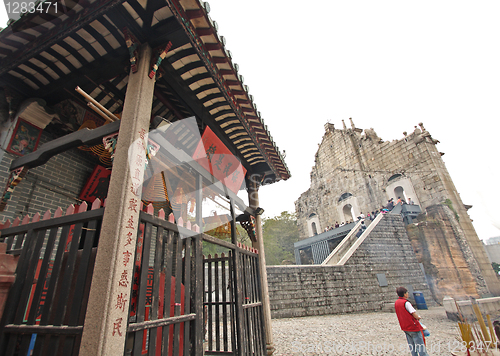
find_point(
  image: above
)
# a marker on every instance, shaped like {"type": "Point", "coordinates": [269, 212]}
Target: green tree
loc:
{"type": "Point", "coordinates": [496, 267]}
{"type": "Point", "coordinates": [280, 232]}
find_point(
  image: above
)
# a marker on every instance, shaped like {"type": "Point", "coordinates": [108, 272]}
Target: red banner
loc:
{"type": "Point", "coordinates": [97, 185]}
{"type": "Point", "coordinates": [216, 158]}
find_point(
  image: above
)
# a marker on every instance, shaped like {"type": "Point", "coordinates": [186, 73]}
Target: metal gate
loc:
{"type": "Point", "coordinates": [234, 322]}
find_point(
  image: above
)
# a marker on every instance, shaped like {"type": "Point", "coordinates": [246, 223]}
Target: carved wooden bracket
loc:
{"type": "Point", "coordinates": [109, 143]}
{"type": "Point", "coordinates": [132, 44]}
{"type": "Point", "coordinates": [14, 178]}
{"type": "Point", "coordinates": [162, 53]}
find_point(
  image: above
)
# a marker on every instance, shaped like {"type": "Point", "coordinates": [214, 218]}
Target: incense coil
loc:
{"type": "Point", "coordinates": [155, 192]}
{"type": "Point", "coordinates": [98, 150]}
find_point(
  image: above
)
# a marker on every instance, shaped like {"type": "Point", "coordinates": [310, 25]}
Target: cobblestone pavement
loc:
{"type": "Point", "coordinates": [361, 334]}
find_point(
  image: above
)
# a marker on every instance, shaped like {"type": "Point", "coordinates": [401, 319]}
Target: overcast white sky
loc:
{"type": "Point", "coordinates": [388, 65]}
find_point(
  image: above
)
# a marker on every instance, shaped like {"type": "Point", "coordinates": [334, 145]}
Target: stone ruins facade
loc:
{"type": "Point", "coordinates": [357, 172]}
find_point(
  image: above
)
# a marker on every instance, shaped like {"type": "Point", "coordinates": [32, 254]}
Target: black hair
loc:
{"type": "Point", "coordinates": [401, 291]}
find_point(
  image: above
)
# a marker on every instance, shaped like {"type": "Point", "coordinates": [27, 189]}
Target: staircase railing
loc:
{"type": "Point", "coordinates": [346, 248]}
{"type": "Point", "coordinates": [342, 247]}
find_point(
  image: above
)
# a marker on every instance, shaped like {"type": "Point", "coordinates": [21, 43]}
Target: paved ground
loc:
{"type": "Point", "coordinates": [360, 334]}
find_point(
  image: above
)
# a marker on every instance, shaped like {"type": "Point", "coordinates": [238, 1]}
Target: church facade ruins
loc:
{"type": "Point", "coordinates": [356, 172]}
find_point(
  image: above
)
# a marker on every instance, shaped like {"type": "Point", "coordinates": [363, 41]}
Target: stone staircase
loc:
{"type": "Point", "coordinates": [349, 244]}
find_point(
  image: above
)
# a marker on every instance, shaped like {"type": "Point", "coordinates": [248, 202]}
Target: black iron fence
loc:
{"type": "Point", "coordinates": [181, 303]}
{"type": "Point", "coordinates": [46, 305]}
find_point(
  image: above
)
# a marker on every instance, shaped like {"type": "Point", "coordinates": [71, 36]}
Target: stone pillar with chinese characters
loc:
{"type": "Point", "coordinates": [253, 201]}
{"type": "Point", "coordinates": [105, 327]}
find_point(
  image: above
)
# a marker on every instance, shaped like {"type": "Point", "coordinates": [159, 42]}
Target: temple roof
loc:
{"type": "Point", "coordinates": [47, 54]}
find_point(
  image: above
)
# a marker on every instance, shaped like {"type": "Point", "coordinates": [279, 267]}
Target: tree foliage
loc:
{"type": "Point", "coordinates": [224, 233]}
{"type": "Point", "coordinates": [496, 267]}
{"type": "Point", "coordinates": [280, 232]}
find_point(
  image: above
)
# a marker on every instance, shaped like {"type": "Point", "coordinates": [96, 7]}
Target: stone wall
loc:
{"type": "Point", "coordinates": [355, 170]}
{"type": "Point", "coordinates": [448, 261]}
{"type": "Point", "coordinates": [319, 290]}
{"type": "Point", "coordinates": [55, 184]}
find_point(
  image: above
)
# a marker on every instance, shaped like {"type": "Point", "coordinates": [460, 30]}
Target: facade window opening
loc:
{"type": "Point", "coordinates": [313, 224]}
{"type": "Point", "coordinates": [395, 176]}
{"type": "Point", "coordinates": [400, 192]}
{"type": "Point", "coordinates": [314, 229]}
{"type": "Point", "coordinates": [345, 196]}
{"type": "Point", "coordinates": [348, 213]}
